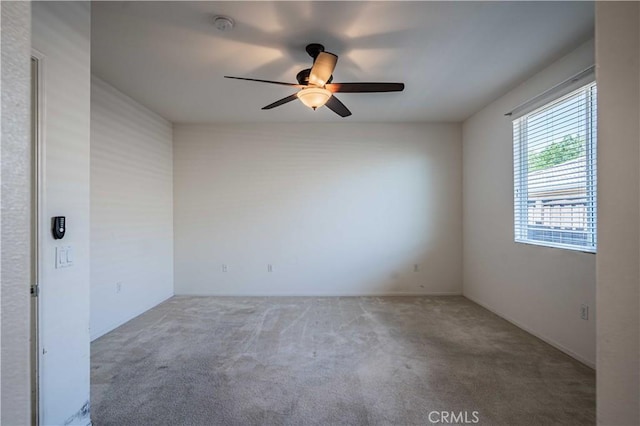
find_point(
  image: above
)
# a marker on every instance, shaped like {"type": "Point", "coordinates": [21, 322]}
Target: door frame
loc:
{"type": "Point", "coordinates": [38, 226]}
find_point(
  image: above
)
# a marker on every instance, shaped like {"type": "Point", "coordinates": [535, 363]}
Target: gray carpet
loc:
{"type": "Point", "coordinates": [332, 361]}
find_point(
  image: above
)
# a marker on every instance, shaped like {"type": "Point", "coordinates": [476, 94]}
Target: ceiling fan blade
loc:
{"type": "Point", "coordinates": [338, 107]}
{"type": "Point", "coordinates": [364, 87]}
{"type": "Point", "coordinates": [322, 68]}
{"type": "Point", "coordinates": [282, 101]}
{"type": "Point", "coordinates": [299, 86]}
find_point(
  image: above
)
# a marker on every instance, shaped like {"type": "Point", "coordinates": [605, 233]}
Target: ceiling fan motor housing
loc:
{"type": "Point", "coordinates": [314, 49]}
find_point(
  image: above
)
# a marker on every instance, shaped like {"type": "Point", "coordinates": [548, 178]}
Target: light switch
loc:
{"type": "Point", "coordinates": [61, 257]}
{"type": "Point", "coordinates": [69, 252]}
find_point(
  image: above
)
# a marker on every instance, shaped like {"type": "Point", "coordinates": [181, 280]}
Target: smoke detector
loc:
{"type": "Point", "coordinates": [223, 23]}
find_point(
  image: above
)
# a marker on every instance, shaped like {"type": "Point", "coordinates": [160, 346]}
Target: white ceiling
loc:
{"type": "Point", "coordinates": [453, 57]}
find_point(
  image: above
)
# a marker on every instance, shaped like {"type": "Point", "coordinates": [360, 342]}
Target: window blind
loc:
{"type": "Point", "coordinates": [555, 172]}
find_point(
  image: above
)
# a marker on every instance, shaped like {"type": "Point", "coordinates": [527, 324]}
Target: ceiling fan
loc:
{"type": "Point", "coordinates": [316, 87]}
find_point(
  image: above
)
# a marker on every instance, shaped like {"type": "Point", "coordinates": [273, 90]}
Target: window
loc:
{"type": "Point", "coordinates": [555, 173]}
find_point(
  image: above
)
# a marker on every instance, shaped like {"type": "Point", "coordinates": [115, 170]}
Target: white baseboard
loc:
{"type": "Point", "coordinates": [115, 324]}
{"type": "Point", "coordinates": [545, 339]}
{"type": "Point", "coordinates": [381, 294]}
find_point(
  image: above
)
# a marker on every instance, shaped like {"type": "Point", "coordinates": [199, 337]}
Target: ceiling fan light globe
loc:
{"type": "Point", "coordinates": [314, 97]}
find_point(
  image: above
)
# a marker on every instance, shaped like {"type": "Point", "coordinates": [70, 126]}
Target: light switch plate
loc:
{"type": "Point", "coordinates": [64, 256]}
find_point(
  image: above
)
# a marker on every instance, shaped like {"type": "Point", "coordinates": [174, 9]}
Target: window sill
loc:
{"type": "Point", "coordinates": [557, 246]}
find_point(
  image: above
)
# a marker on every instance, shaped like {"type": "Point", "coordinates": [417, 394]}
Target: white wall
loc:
{"type": "Point", "coordinates": [540, 289]}
{"type": "Point", "coordinates": [15, 400]}
{"type": "Point", "coordinates": [131, 208]}
{"type": "Point", "coordinates": [618, 75]}
{"type": "Point", "coordinates": [337, 209]}
{"type": "Point", "coordinates": [61, 31]}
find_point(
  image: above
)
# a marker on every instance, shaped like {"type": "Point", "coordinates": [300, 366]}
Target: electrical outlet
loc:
{"type": "Point", "coordinates": [584, 311]}
{"type": "Point", "coordinates": [224, 268]}
{"type": "Point", "coordinates": [118, 287]}
{"type": "Point", "coordinates": [269, 268]}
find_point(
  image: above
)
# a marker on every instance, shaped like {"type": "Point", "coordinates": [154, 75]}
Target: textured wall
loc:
{"type": "Point", "coordinates": [538, 288]}
{"type": "Point", "coordinates": [61, 32]}
{"type": "Point", "coordinates": [131, 208]}
{"type": "Point", "coordinates": [15, 201]}
{"type": "Point", "coordinates": [618, 73]}
{"type": "Point", "coordinates": [336, 209]}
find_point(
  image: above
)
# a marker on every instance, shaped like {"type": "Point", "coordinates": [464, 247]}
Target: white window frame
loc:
{"type": "Point", "coordinates": [521, 166]}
